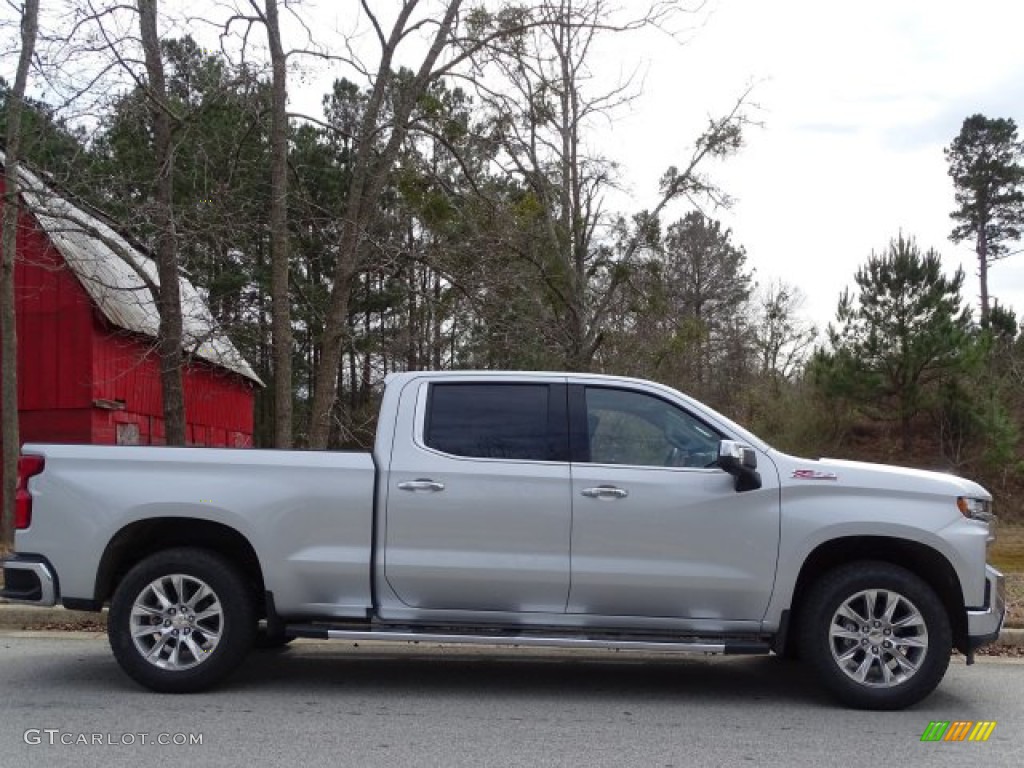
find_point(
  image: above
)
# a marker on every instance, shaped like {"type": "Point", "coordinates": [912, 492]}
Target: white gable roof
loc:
{"type": "Point", "coordinates": [115, 275]}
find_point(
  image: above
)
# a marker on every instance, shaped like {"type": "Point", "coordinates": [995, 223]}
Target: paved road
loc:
{"type": "Point", "coordinates": [323, 704]}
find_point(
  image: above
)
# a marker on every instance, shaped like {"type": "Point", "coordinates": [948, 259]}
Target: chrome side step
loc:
{"type": "Point", "coordinates": [696, 645]}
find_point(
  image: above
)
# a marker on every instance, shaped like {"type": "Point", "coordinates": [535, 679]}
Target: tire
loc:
{"type": "Point", "coordinates": [876, 634]}
{"type": "Point", "coordinates": [185, 651]}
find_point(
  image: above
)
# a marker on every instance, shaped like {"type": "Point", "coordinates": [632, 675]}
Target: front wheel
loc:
{"type": "Point", "coordinates": [181, 620]}
{"type": "Point", "coordinates": [876, 634]}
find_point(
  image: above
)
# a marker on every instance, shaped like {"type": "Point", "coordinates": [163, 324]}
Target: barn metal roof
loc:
{"type": "Point", "coordinates": [115, 274]}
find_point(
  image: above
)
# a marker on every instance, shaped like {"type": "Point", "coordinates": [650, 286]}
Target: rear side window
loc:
{"type": "Point", "coordinates": [491, 421]}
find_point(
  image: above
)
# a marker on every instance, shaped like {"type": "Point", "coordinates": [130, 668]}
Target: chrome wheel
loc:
{"type": "Point", "coordinates": [878, 638]}
{"type": "Point", "coordinates": [176, 622]}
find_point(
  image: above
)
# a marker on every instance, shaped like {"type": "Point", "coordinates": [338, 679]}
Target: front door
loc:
{"type": "Point", "coordinates": [657, 531]}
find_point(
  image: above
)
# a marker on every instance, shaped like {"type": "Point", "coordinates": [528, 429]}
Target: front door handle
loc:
{"type": "Point", "coordinates": [605, 492]}
{"type": "Point", "coordinates": [421, 485]}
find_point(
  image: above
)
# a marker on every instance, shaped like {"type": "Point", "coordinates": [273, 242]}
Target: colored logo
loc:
{"type": "Point", "coordinates": [813, 474]}
{"type": "Point", "coordinates": [958, 730]}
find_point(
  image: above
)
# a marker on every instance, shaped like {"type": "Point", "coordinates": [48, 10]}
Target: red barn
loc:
{"type": "Point", "coordinates": [88, 371]}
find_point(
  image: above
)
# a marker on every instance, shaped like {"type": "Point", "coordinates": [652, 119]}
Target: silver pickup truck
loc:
{"type": "Point", "coordinates": [527, 509]}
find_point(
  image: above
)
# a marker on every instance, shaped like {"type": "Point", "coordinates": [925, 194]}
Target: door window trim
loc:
{"type": "Point", "coordinates": [579, 444]}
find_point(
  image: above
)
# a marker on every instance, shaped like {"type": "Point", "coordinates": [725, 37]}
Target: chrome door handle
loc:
{"type": "Point", "coordinates": [421, 485]}
{"type": "Point", "coordinates": [605, 492]}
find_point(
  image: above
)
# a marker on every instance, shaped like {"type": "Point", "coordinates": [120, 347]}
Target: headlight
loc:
{"type": "Point", "coordinates": [975, 509]}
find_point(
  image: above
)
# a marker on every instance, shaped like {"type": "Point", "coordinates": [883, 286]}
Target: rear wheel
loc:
{"type": "Point", "coordinates": [876, 634]}
{"type": "Point", "coordinates": [181, 620]}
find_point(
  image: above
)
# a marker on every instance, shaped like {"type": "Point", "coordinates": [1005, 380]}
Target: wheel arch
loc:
{"type": "Point", "coordinates": [920, 559]}
{"type": "Point", "coordinates": [142, 538]}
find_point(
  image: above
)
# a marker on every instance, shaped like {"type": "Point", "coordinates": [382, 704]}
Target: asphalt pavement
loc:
{"type": "Point", "coordinates": [66, 703]}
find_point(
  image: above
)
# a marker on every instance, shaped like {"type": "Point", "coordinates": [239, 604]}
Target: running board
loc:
{"type": "Point", "coordinates": [696, 645]}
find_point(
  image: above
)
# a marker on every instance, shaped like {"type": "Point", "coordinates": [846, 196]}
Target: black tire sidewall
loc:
{"type": "Point", "coordinates": [836, 587]}
{"type": "Point", "coordinates": [236, 603]}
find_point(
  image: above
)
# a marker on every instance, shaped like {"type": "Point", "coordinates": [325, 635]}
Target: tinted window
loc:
{"type": "Point", "coordinates": [491, 421]}
{"type": "Point", "coordinates": [627, 427]}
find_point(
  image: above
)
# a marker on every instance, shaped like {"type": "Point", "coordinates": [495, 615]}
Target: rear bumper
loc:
{"type": "Point", "coordinates": [984, 624]}
{"type": "Point", "coordinates": [28, 579]}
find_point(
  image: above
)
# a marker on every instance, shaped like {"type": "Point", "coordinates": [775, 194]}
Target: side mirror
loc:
{"type": "Point", "coordinates": [740, 461]}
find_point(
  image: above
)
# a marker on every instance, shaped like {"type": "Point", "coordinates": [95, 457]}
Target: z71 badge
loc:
{"type": "Point", "coordinates": [813, 474]}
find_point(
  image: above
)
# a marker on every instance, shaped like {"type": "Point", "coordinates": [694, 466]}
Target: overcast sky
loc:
{"type": "Point", "coordinates": [857, 102]}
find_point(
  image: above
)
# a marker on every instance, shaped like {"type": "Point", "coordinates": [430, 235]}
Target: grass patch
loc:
{"type": "Point", "coordinates": [1015, 599]}
{"type": "Point", "coordinates": [1007, 554]}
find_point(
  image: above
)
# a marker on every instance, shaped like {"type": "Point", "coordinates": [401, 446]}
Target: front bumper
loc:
{"type": "Point", "coordinates": [28, 579]}
{"type": "Point", "coordinates": [984, 624]}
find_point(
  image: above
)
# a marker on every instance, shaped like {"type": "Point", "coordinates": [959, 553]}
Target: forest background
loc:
{"type": "Point", "coordinates": [452, 212]}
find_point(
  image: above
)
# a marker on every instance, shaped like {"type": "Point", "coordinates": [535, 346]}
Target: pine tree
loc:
{"type": "Point", "coordinates": [904, 331]}
{"type": "Point", "coordinates": [985, 162]}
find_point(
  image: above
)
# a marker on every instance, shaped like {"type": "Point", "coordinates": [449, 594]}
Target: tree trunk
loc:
{"type": "Point", "coordinates": [906, 436]}
{"type": "Point", "coordinates": [982, 250]}
{"type": "Point", "coordinates": [11, 445]}
{"type": "Point", "coordinates": [437, 343]}
{"type": "Point", "coordinates": [281, 324]}
{"type": "Point", "coordinates": [169, 334]}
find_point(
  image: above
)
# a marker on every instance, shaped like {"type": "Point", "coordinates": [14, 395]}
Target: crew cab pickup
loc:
{"type": "Point", "coordinates": [526, 509]}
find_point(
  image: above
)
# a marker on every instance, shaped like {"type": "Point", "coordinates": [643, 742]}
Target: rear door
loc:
{"type": "Point", "coordinates": [478, 500]}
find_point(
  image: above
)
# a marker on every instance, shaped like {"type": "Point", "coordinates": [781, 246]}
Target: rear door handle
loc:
{"type": "Point", "coordinates": [605, 492]}
{"type": "Point", "coordinates": [421, 485]}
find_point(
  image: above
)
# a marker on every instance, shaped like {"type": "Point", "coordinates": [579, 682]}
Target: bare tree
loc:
{"type": "Point", "coordinates": [9, 345]}
{"type": "Point", "coordinates": [374, 157]}
{"type": "Point", "coordinates": [267, 13]}
{"type": "Point", "coordinates": [91, 53]}
{"type": "Point", "coordinates": [385, 124]}
{"type": "Point", "coordinates": [784, 339]}
{"type": "Point", "coordinates": [543, 110]}
{"type": "Point", "coordinates": [169, 337]}
{"type": "Point", "coordinates": [281, 321]}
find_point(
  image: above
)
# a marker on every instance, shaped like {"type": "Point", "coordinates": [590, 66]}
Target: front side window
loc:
{"type": "Point", "coordinates": [490, 421]}
{"type": "Point", "coordinates": [626, 427]}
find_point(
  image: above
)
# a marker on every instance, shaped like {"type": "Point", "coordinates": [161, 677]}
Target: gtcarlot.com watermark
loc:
{"type": "Point", "coordinates": [57, 737]}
